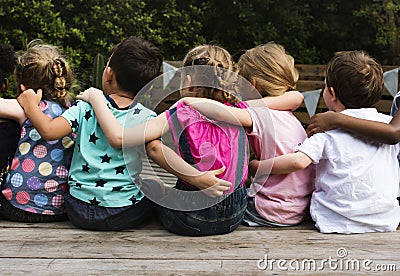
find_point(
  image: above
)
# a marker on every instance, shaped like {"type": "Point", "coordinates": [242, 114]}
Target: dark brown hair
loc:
{"type": "Point", "coordinates": [135, 62]}
{"type": "Point", "coordinates": [356, 78]}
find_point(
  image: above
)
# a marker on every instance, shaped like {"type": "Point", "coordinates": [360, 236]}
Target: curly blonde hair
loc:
{"type": "Point", "coordinates": [43, 66]}
{"type": "Point", "coordinates": [223, 74]}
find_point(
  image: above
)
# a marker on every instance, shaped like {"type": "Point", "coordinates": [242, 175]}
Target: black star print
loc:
{"type": "Point", "coordinates": [133, 199]}
{"type": "Point", "coordinates": [74, 124]}
{"type": "Point", "coordinates": [117, 189]}
{"type": "Point", "coordinates": [100, 183]}
{"type": "Point", "coordinates": [85, 168]}
{"type": "Point", "coordinates": [78, 185]}
{"type": "Point", "coordinates": [93, 138]}
{"type": "Point", "coordinates": [79, 148]}
{"type": "Point", "coordinates": [136, 111]}
{"type": "Point", "coordinates": [119, 169]}
{"type": "Point", "coordinates": [88, 115]}
{"type": "Point", "coordinates": [70, 178]}
{"type": "Point", "coordinates": [105, 158]}
{"type": "Point", "coordinates": [94, 201]}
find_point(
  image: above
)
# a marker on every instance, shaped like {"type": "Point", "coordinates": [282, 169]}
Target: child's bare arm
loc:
{"type": "Point", "coordinates": [49, 129]}
{"type": "Point", "coordinates": [207, 182]}
{"type": "Point", "coordinates": [219, 111]}
{"type": "Point", "coordinates": [10, 109]}
{"type": "Point", "coordinates": [380, 132]}
{"type": "Point", "coordinates": [282, 164]}
{"type": "Point", "coordinates": [118, 136]}
{"type": "Point", "coordinates": [290, 100]}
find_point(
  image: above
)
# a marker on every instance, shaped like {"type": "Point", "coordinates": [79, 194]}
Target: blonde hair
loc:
{"type": "Point", "coordinates": [42, 66]}
{"type": "Point", "coordinates": [224, 75]}
{"type": "Point", "coordinates": [270, 67]}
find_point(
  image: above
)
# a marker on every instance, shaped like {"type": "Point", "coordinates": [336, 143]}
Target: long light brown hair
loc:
{"type": "Point", "coordinates": [270, 67]}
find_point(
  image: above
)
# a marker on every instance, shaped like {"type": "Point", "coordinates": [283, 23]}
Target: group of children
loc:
{"type": "Point", "coordinates": [82, 161]}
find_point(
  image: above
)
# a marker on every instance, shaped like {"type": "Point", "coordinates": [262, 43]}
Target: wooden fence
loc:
{"type": "Point", "coordinates": [311, 77]}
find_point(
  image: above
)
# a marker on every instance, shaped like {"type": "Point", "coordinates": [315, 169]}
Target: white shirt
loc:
{"type": "Point", "coordinates": [357, 180]}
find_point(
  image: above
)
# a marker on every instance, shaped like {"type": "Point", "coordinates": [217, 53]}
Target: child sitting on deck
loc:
{"type": "Point", "coordinates": [357, 180]}
{"type": "Point", "coordinates": [277, 200]}
{"type": "Point", "coordinates": [104, 195]}
{"type": "Point", "coordinates": [200, 141]}
{"type": "Point", "coordinates": [35, 185]}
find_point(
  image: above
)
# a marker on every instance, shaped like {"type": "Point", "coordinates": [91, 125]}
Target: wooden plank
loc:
{"type": "Point", "coordinates": [159, 244]}
{"type": "Point", "coordinates": [152, 170]}
{"type": "Point", "coordinates": [309, 85]}
{"type": "Point", "coordinates": [311, 70]}
{"type": "Point", "coordinates": [160, 267]}
{"type": "Point", "coordinates": [37, 249]}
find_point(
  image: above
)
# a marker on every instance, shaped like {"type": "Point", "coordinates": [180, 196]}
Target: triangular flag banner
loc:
{"type": "Point", "coordinates": [391, 79]}
{"type": "Point", "coordinates": [168, 73]}
{"type": "Point", "coordinates": [311, 99]}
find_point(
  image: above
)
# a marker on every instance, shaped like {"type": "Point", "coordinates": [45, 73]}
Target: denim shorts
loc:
{"type": "Point", "coordinates": [93, 217]}
{"type": "Point", "coordinates": [221, 218]}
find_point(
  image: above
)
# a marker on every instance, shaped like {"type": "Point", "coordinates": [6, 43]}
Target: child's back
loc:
{"type": "Point", "coordinates": [104, 192]}
{"type": "Point", "coordinates": [208, 145]}
{"type": "Point", "coordinates": [357, 180]}
{"type": "Point", "coordinates": [279, 199]}
{"type": "Point", "coordinates": [35, 186]}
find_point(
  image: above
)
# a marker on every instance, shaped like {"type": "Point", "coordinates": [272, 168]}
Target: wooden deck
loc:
{"type": "Point", "coordinates": [60, 248]}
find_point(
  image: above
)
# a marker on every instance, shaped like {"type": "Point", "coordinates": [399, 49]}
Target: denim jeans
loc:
{"type": "Point", "coordinates": [221, 218]}
{"type": "Point", "coordinates": [9, 212]}
{"type": "Point", "coordinates": [89, 216]}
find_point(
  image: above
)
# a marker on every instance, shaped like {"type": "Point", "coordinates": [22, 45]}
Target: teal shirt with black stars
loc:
{"type": "Point", "coordinates": [99, 174]}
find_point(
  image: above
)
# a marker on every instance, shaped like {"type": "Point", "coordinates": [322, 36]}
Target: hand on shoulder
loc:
{"type": "Point", "coordinates": [90, 94]}
{"type": "Point", "coordinates": [29, 97]}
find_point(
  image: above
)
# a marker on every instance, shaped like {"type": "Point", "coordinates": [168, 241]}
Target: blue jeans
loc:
{"type": "Point", "coordinates": [221, 218]}
{"type": "Point", "coordinates": [9, 212]}
{"type": "Point", "coordinates": [89, 216]}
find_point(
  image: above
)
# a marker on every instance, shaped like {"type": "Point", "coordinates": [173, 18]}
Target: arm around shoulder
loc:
{"type": "Point", "coordinates": [290, 100]}
{"type": "Point", "coordinates": [49, 129]}
{"type": "Point", "coordinates": [284, 164]}
{"type": "Point", "coordinates": [377, 131]}
{"type": "Point", "coordinates": [220, 112]}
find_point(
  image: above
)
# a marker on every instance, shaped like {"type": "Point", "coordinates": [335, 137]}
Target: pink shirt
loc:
{"type": "Point", "coordinates": [280, 198]}
{"type": "Point", "coordinates": [209, 144]}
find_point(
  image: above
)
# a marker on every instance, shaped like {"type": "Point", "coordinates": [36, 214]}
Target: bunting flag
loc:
{"type": "Point", "coordinates": [311, 99]}
{"type": "Point", "coordinates": [168, 73]}
{"type": "Point", "coordinates": [391, 79]}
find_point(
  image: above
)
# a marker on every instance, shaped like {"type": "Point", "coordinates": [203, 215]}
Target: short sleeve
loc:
{"type": "Point", "coordinates": [259, 117]}
{"type": "Point", "coordinates": [314, 147]}
{"type": "Point", "coordinates": [72, 115]}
